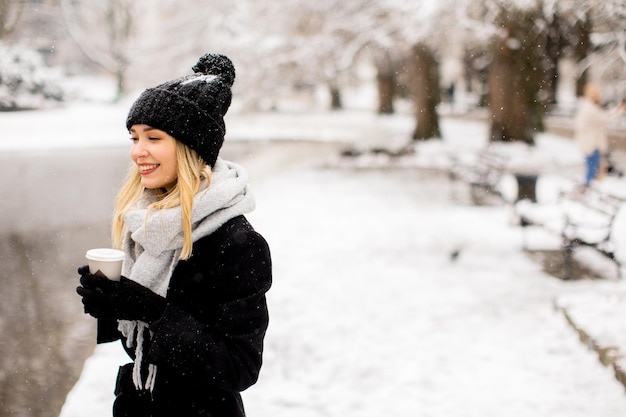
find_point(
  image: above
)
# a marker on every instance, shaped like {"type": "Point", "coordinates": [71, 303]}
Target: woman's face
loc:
{"type": "Point", "coordinates": [154, 153]}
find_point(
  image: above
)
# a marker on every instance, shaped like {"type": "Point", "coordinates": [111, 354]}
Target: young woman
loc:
{"type": "Point", "coordinates": [190, 307]}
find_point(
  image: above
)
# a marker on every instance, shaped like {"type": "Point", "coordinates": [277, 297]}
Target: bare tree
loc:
{"type": "Point", "coordinates": [576, 29]}
{"type": "Point", "coordinates": [322, 42]}
{"type": "Point", "coordinates": [520, 61]}
{"type": "Point", "coordinates": [606, 26]}
{"type": "Point", "coordinates": [554, 45]}
{"type": "Point", "coordinates": [594, 34]}
{"type": "Point", "coordinates": [327, 33]}
{"type": "Point", "coordinates": [425, 92]}
{"type": "Point", "coordinates": [385, 82]}
{"type": "Point", "coordinates": [515, 77]}
{"type": "Point", "coordinates": [582, 49]}
{"type": "Point", "coordinates": [104, 32]}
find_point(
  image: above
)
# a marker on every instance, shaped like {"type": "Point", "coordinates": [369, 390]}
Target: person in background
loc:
{"type": "Point", "coordinates": [590, 131]}
{"type": "Point", "coordinates": [190, 308]}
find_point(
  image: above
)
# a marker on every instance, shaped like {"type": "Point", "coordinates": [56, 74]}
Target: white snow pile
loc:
{"type": "Point", "coordinates": [25, 82]}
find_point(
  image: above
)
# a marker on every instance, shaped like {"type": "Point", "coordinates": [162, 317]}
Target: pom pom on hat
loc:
{"type": "Point", "coordinates": [191, 108]}
{"type": "Point", "coordinates": [215, 64]}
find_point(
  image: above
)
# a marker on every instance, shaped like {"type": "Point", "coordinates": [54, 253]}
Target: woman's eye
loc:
{"type": "Point", "coordinates": [132, 139]}
{"type": "Point", "coordinates": [154, 138]}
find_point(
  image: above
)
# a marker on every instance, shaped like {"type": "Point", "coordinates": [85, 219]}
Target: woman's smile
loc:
{"type": "Point", "coordinates": [146, 169]}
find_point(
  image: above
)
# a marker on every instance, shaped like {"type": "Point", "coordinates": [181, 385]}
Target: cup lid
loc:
{"type": "Point", "coordinates": [105, 254]}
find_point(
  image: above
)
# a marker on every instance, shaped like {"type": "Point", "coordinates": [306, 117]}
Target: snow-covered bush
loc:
{"type": "Point", "coordinates": [25, 80]}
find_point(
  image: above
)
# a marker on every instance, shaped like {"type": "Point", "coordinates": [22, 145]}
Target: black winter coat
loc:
{"type": "Point", "coordinates": [208, 344]}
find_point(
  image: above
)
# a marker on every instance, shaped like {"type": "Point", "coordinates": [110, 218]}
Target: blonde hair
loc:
{"type": "Point", "coordinates": [191, 170]}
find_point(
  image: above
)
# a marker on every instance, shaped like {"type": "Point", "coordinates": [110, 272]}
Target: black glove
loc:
{"type": "Point", "coordinates": [121, 300]}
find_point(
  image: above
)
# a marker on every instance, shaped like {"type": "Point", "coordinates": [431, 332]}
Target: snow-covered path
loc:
{"type": "Point", "coordinates": [370, 316]}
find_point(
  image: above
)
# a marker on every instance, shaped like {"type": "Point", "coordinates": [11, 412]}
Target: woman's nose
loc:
{"type": "Point", "coordinates": [138, 150]}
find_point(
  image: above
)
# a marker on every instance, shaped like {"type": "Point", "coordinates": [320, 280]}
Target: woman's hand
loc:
{"type": "Point", "coordinates": [122, 300]}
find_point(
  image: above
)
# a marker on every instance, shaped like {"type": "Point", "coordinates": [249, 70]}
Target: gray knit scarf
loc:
{"type": "Point", "coordinates": [154, 240]}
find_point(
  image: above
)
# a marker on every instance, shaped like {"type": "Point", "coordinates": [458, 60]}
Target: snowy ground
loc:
{"type": "Point", "coordinates": [370, 313]}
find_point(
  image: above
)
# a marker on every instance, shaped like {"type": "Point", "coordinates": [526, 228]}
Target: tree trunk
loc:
{"type": "Point", "coordinates": [554, 46]}
{"type": "Point", "coordinates": [582, 30]}
{"type": "Point", "coordinates": [120, 77]}
{"type": "Point", "coordinates": [385, 82]}
{"type": "Point", "coordinates": [475, 64]}
{"type": "Point", "coordinates": [426, 93]}
{"type": "Point", "coordinates": [386, 85]}
{"type": "Point", "coordinates": [510, 115]}
{"type": "Point", "coordinates": [515, 79]}
{"type": "Point", "coordinates": [335, 97]}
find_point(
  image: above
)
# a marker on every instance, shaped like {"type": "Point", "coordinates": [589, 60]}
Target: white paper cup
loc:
{"type": "Point", "coordinates": [107, 261]}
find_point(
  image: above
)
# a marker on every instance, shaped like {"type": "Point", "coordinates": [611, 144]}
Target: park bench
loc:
{"type": "Point", "coordinates": [483, 173]}
{"type": "Point", "coordinates": [589, 221]}
{"type": "Point", "coordinates": [580, 219]}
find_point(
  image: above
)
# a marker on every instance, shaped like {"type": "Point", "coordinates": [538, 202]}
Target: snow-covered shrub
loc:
{"type": "Point", "coordinates": [25, 80]}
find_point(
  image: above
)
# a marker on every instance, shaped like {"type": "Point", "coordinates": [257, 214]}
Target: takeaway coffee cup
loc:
{"type": "Point", "coordinates": [107, 261]}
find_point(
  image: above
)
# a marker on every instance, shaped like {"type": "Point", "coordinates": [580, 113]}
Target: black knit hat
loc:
{"type": "Point", "coordinates": [191, 108]}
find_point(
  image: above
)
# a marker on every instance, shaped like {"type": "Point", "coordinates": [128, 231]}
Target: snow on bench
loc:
{"type": "Point", "coordinates": [590, 221]}
{"type": "Point", "coordinates": [546, 209]}
{"type": "Point", "coordinates": [483, 172]}
{"type": "Point", "coordinates": [589, 218]}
